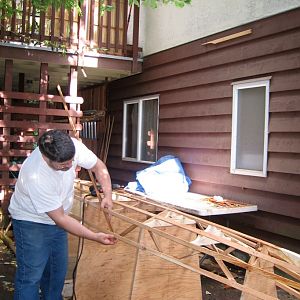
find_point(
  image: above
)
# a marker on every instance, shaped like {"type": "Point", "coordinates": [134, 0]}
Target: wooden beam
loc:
{"type": "Point", "coordinates": [229, 37]}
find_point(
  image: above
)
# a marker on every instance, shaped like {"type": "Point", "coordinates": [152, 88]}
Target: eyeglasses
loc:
{"type": "Point", "coordinates": [63, 166]}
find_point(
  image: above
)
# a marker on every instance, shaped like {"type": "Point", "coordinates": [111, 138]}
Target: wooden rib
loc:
{"type": "Point", "coordinates": [203, 249]}
{"type": "Point", "coordinates": [220, 256]}
{"type": "Point", "coordinates": [288, 290]}
{"type": "Point", "coordinates": [193, 269]}
{"type": "Point", "coordinates": [229, 250]}
{"type": "Point", "coordinates": [155, 241]}
{"type": "Point", "coordinates": [251, 241]}
{"type": "Point", "coordinates": [289, 272]}
{"type": "Point", "coordinates": [128, 230]}
{"type": "Point", "coordinates": [240, 247]}
{"type": "Point", "coordinates": [224, 269]}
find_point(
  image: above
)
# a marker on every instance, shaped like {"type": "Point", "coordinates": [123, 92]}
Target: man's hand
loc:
{"type": "Point", "coordinates": [106, 203]}
{"type": "Point", "coordinates": [105, 239]}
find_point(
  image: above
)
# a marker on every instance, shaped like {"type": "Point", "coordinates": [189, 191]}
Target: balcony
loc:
{"type": "Point", "coordinates": [94, 41]}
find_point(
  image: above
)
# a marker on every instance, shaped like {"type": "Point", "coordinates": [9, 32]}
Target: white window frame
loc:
{"type": "Point", "coordinates": [246, 84]}
{"type": "Point", "coordinates": [139, 101]}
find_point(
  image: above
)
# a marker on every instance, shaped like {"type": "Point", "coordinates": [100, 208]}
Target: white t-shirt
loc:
{"type": "Point", "coordinates": [41, 189]}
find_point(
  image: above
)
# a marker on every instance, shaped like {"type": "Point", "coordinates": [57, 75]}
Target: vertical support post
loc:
{"type": "Point", "coordinates": [135, 42]}
{"type": "Point", "coordinates": [8, 79]}
{"type": "Point", "coordinates": [125, 27]}
{"type": "Point", "coordinates": [73, 90]}
{"type": "Point", "coordinates": [82, 32]}
{"type": "Point", "coordinates": [43, 90]}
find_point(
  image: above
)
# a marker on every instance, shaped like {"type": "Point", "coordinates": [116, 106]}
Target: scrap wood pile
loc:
{"type": "Point", "coordinates": [159, 238]}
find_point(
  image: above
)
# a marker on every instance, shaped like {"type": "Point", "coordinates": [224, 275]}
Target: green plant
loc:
{"type": "Point", "coordinates": [155, 3]}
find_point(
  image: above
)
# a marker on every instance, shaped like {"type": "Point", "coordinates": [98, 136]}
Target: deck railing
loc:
{"type": "Point", "coordinates": [66, 29]}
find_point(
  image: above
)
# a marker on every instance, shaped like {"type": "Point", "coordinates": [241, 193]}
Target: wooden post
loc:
{"type": "Point", "coordinates": [73, 81]}
{"type": "Point", "coordinates": [125, 27]}
{"type": "Point", "coordinates": [43, 90]}
{"type": "Point", "coordinates": [8, 79]}
{"type": "Point", "coordinates": [135, 42]}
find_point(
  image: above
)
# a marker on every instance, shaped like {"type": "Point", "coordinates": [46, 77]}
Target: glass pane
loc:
{"type": "Point", "coordinates": [131, 130]}
{"type": "Point", "coordinates": [250, 128]}
{"type": "Point", "coordinates": [149, 130]}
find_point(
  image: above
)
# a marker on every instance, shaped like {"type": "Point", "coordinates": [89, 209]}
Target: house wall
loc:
{"type": "Point", "coordinates": [194, 84]}
{"type": "Point", "coordinates": [168, 26]}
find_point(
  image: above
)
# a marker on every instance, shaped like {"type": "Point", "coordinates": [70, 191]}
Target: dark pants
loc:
{"type": "Point", "coordinates": [42, 258]}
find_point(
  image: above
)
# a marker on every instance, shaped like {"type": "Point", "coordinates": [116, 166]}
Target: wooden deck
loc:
{"type": "Point", "coordinates": [101, 31]}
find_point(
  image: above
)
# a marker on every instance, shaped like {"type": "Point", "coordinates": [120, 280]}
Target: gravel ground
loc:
{"type": "Point", "coordinates": [7, 272]}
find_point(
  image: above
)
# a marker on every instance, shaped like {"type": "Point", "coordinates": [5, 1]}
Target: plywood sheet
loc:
{"type": "Point", "coordinates": [105, 272]}
{"type": "Point", "coordinates": [157, 279]}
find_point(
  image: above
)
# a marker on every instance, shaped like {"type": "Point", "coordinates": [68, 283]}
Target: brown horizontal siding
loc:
{"type": "Point", "coordinates": [239, 53]}
{"type": "Point", "coordinates": [279, 102]}
{"type": "Point", "coordinates": [196, 125]}
{"type": "Point", "coordinates": [278, 142]}
{"type": "Point", "coordinates": [284, 163]}
{"type": "Point", "coordinates": [196, 140]}
{"type": "Point", "coordinates": [202, 157]}
{"type": "Point", "coordinates": [285, 101]}
{"type": "Point", "coordinates": [261, 30]}
{"type": "Point", "coordinates": [275, 182]}
{"type": "Point", "coordinates": [211, 107]}
{"type": "Point", "coordinates": [284, 142]}
{"type": "Point", "coordinates": [285, 122]}
{"type": "Point", "coordinates": [194, 83]}
{"type": "Point", "coordinates": [277, 162]}
{"type": "Point", "coordinates": [260, 66]}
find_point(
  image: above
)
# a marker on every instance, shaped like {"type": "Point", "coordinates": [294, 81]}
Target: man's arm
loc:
{"type": "Point", "coordinates": [74, 227]}
{"type": "Point", "coordinates": [103, 178]}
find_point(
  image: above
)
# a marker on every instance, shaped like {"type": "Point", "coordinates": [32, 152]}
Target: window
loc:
{"type": "Point", "coordinates": [250, 116]}
{"type": "Point", "coordinates": [140, 126]}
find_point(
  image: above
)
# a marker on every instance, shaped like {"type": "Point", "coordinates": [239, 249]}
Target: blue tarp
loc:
{"type": "Point", "coordinates": [165, 177]}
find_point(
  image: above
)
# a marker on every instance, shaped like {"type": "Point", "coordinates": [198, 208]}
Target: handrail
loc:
{"type": "Point", "coordinates": [65, 29]}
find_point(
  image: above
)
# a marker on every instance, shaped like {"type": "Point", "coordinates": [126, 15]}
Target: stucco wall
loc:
{"type": "Point", "coordinates": [168, 26]}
